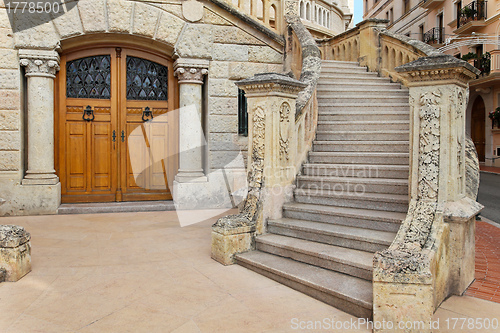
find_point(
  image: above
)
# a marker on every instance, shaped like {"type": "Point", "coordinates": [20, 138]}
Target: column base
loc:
{"type": "Point", "coordinates": [191, 177]}
{"type": "Point", "coordinates": [40, 181]}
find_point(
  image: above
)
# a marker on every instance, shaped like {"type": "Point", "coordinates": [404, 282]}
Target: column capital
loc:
{"type": "Point", "coordinates": [39, 62]}
{"type": "Point", "coordinates": [438, 69]}
{"type": "Point", "coordinates": [191, 70]}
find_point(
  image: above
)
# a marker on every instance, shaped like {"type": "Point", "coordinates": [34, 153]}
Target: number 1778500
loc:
{"type": "Point", "coordinates": [32, 7]}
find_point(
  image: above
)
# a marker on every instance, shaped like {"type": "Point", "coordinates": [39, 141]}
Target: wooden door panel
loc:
{"type": "Point", "coordinates": [137, 158]}
{"type": "Point", "coordinates": [102, 157]}
{"type": "Point", "coordinates": [75, 156]}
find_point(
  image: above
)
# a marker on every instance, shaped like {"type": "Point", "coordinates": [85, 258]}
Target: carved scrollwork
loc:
{"type": "Point", "coordinates": [284, 141]}
{"type": "Point", "coordinates": [258, 144]}
{"type": "Point", "coordinates": [193, 74]}
{"type": "Point", "coordinates": [39, 67]}
{"type": "Point", "coordinates": [430, 112]}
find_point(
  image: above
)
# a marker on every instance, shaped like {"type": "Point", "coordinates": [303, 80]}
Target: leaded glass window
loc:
{"type": "Point", "coordinates": [89, 77]}
{"type": "Point", "coordinates": [146, 80]}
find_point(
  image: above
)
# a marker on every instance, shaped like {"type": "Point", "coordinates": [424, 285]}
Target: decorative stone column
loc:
{"type": "Point", "coordinates": [190, 73]}
{"type": "Point", "coordinates": [272, 140]}
{"type": "Point", "coordinates": [41, 67]}
{"type": "Point", "coordinates": [432, 256]}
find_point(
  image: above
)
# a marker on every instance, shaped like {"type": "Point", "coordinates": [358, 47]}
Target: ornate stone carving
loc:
{"type": "Point", "coordinates": [39, 63]}
{"type": "Point", "coordinates": [256, 173]}
{"type": "Point", "coordinates": [255, 176]}
{"type": "Point", "coordinates": [428, 169]}
{"type": "Point", "coordinates": [459, 104]}
{"type": "Point", "coordinates": [190, 70]}
{"type": "Point", "coordinates": [284, 131]}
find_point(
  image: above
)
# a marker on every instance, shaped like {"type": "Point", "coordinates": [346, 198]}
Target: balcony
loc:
{"type": "Point", "coordinates": [431, 4]}
{"type": "Point", "coordinates": [471, 16]}
{"type": "Point", "coordinates": [489, 65]}
{"type": "Point", "coordinates": [434, 36]}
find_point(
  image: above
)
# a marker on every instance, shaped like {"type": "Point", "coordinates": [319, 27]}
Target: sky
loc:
{"type": "Point", "coordinates": [358, 11]}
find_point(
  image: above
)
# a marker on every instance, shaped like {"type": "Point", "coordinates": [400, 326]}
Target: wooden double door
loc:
{"type": "Point", "coordinates": [116, 132]}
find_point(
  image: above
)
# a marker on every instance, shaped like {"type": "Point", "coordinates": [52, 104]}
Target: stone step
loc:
{"type": "Point", "coordinates": [351, 294]}
{"type": "Point", "coordinates": [355, 185]}
{"type": "Point", "coordinates": [373, 146]}
{"type": "Point", "coordinates": [333, 234]}
{"type": "Point", "coordinates": [356, 170]}
{"type": "Point", "coordinates": [361, 125]}
{"type": "Point", "coordinates": [338, 100]}
{"type": "Point", "coordinates": [359, 158]}
{"type": "Point", "coordinates": [332, 92]}
{"type": "Point", "coordinates": [346, 70]}
{"type": "Point", "coordinates": [324, 84]}
{"type": "Point", "coordinates": [375, 201]}
{"type": "Point", "coordinates": [333, 115]}
{"type": "Point", "coordinates": [332, 78]}
{"type": "Point", "coordinates": [335, 258]}
{"type": "Point", "coordinates": [353, 217]}
{"type": "Point", "coordinates": [338, 63]}
{"type": "Point", "coordinates": [363, 135]}
{"type": "Point", "coordinates": [116, 207]}
{"type": "Point", "coordinates": [372, 107]}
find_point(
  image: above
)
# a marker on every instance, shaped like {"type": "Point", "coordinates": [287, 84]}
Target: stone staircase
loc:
{"type": "Point", "coordinates": [351, 196]}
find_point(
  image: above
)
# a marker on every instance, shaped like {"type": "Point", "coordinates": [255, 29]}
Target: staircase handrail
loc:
{"type": "Point", "coordinates": [308, 58]}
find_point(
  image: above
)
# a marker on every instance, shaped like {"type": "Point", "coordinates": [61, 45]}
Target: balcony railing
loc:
{"type": "Point", "coordinates": [483, 64]}
{"type": "Point", "coordinates": [434, 36]}
{"type": "Point", "coordinates": [475, 11]}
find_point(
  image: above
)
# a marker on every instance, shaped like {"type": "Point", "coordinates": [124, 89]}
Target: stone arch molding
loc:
{"type": "Point", "coordinates": [99, 17]}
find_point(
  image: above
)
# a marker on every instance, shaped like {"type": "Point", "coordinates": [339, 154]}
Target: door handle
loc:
{"type": "Point", "coordinates": [88, 114]}
{"type": "Point", "coordinates": [114, 136]}
{"type": "Point", "coordinates": [147, 113]}
{"type": "Point", "coordinates": [123, 136]}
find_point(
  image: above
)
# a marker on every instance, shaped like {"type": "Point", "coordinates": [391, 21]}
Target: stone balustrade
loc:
{"type": "Point", "coordinates": [375, 47]}
{"type": "Point", "coordinates": [283, 114]}
{"type": "Point", "coordinates": [268, 12]}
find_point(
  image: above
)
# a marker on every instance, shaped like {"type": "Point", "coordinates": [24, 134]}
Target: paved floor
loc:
{"type": "Point", "coordinates": [490, 169]}
{"type": "Point", "coordinates": [489, 195]}
{"type": "Point", "coordinates": [487, 284]}
{"type": "Point", "coordinates": [142, 272]}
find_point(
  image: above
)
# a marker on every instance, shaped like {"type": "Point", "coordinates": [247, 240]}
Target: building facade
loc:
{"type": "Point", "coordinates": [465, 29]}
{"type": "Point", "coordinates": [106, 101]}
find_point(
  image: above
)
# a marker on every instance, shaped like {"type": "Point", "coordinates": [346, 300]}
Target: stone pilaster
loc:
{"type": "Point", "coordinates": [191, 187]}
{"type": "Point", "coordinates": [432, 256]}
{"type": "Point", "coordinates": [190, 73]}
{"type": "Point", "coordinates": [271, 101]}
{"type": "Point", "coordinates": [40, 68]}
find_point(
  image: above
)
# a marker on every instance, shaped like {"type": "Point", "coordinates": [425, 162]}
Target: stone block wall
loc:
{"type": "Point", "coordinates": [235, 50]}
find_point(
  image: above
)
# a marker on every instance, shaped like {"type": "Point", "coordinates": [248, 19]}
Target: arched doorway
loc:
{"type": "Point", "coordinates": [478, 130]}
{"type": "Point", "coordinates": [106, 142]}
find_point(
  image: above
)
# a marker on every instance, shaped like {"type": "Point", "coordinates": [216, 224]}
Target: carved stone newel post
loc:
{"type": "Point", "coordinates": [271, 158]}
{"type": "Point", "coordinates": [432, 256]}
{"type": "Point", "coordinates": [40, 68]}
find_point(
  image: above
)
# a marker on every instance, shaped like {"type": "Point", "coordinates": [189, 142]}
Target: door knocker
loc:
{"type": "Point", "coordinates": [88, 114]}
{"type": "Point", "coordinates": [147, 113]}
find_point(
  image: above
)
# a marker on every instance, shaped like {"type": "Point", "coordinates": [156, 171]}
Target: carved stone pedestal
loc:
{"type": "Point", "coordinates": [228, 241]}
{"type": "Point", "coordinates": [271, 151]}
{"type": "Point", "coordinates": [15, 252]}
